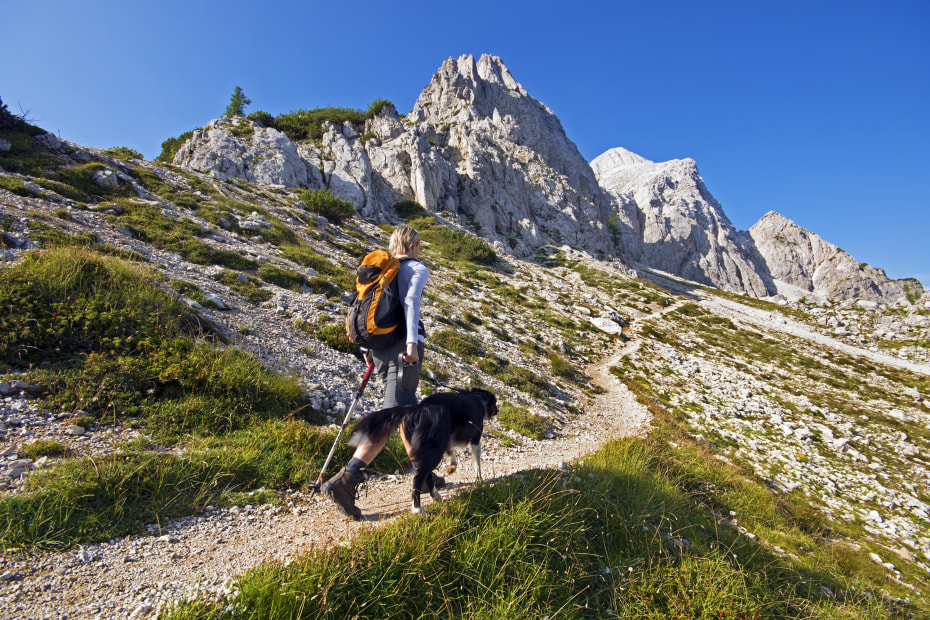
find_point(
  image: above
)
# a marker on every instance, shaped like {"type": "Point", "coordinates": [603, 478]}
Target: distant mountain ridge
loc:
{"type": "Point", "coordinates": [481, 151]}
{"type": "Point", "coordinates": [803, 259]}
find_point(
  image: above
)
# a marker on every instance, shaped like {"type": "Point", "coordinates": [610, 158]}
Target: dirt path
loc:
{"type": "Point", "coordinates": [133, 577]}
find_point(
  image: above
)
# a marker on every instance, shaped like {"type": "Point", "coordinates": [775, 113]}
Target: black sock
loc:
{"type": "Point", "coordinates": [355, 466]}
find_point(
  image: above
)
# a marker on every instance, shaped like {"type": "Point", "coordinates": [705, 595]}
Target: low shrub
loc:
{"type": "Point", "coordinates": [247, 286]}
{"type": "Point", "coordinates": [198, 252]}
{"type": "Point", "coordinates": [171, 146]}
{"type": "Point", "coordinates": [335, 337]}
{"type": "Point", "coordinates": [308, 257]}
{"type": "Point", "coordinates": [410, 209]}
{"type": "Point", "coordinates": [323, 202]}
{"type": "Point", "coordinates": [12, 184]}
{"type": "Point", "coordinates": [308, 124]}
{"type": "Point", "coordinates": [123, 152]}
{"type": "Point", "coordinates": [43, 447]}
{"type": "Point", "coordinates": [561, 367]}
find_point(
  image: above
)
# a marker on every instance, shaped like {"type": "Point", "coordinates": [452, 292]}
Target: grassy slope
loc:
{"type": "Point", "coordinates": [639, 530]}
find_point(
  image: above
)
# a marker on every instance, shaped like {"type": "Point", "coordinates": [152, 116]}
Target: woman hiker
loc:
{"type": "Point", "coordinates": [411, 278]}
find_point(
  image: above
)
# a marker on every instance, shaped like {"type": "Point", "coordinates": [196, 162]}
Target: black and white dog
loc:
{"type": "Point", "coordinates": [430, 429]}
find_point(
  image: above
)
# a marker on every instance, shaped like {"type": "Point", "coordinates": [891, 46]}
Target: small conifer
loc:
{"type": "Point", "coordinates": [237, 103]}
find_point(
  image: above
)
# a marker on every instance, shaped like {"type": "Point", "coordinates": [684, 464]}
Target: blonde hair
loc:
{"type": "Point", "coordinates": [403, 239]}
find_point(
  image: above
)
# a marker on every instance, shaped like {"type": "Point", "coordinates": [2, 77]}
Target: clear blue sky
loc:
{"type": "Point", "coordinates": [817, 110]}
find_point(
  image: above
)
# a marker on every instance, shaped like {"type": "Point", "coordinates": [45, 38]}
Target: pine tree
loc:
{"type": "Point", "coordinates": [237, 103]}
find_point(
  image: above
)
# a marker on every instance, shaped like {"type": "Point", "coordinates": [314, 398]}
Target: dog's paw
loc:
{"type": "Point", "coordinates": [436, 496]}
{"type": "Point", "coordinates": [418, 510]}
{"type": "Point", "coordinates": [450, 470]}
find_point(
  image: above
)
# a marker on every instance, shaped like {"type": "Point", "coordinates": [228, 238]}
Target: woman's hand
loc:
{"type": "Point", "coordinates": [411, 356]}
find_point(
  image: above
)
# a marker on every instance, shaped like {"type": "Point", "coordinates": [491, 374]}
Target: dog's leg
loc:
{"type": "Point", "coordinates": [453, 464]}
{"type": "Point", "coordinates": [415, 507]}
{"type": "Point", "coordinates": [421, 476]}
{"type": "Point", "coordinates": [434, 493]}
{"type": "Point", "coordinates": [476, 454]}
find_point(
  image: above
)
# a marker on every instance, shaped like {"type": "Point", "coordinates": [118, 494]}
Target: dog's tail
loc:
{"type": "Point", "coordinates": [377, 425]}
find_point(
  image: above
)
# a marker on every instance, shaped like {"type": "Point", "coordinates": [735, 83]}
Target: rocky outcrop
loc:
{"type": "Point", "coordinates": [503, 163]}
{"type": "Point", "coordinates": [673, 223]}
{"type": "Point", "coordinates": [476, 147]}
{"type": "Point", "coordinates": [801, 258]}
{"type": "Point", "coordinates": [236, 147]}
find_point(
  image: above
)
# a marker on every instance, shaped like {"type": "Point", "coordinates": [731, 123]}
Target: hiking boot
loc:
{"type": "Point", "coordinates": [341, 488]}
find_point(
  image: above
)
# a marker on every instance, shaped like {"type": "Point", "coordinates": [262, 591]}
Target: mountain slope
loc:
{"type": "Point", "coordinates": [790, 410]}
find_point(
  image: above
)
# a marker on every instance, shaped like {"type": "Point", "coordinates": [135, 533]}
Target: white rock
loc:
{"type": "Point", "coordinates": [670, 221]}
{"type": "Point", "coordinates": [106, 178]}
{"type": "Point", "coordinates": [606, 325]}
{"type": "Point", "coordinates": [897, 414]}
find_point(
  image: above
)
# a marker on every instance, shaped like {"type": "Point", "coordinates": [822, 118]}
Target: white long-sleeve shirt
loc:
{"type": "Point", "coordinates": [411, 278]}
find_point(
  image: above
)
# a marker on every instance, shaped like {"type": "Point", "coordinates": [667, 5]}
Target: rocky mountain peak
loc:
{"type": "Point", "coordinates": [801, 258]}
{"type": "Point", "coordinates": [617, 158]}
{"type": "Point", "coordinates": [464, 90]}
{"type": "Point", "coordinates": [488, 157]}
{"type": "Point", "coordinates": [676, 225]}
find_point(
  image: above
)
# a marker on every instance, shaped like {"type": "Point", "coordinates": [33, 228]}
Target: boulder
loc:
{"type": "Point", "coordinates": [258, 154]}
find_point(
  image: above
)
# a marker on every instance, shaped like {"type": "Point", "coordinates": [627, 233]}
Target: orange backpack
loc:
{"type": "Point", "coordinates": [376, 315]}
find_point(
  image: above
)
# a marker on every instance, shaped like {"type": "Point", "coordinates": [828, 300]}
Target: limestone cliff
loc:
{"type": "Point", "coordinates": [475, 146]}
{"type": "Point", "coordinates": [803, 259]}
{"type": "Point", "coordinates": [478, 150]}
{"type": "Point", "coordinates": [677, 225]}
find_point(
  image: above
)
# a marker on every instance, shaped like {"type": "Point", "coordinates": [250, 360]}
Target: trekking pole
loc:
{"type": "Point", "coordinates": [358, 397]}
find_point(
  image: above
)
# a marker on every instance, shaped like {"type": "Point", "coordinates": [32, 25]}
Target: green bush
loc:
{"type": "Point", "coordinates": [525, 380]}
{"type": "Point", "coordinates": [12, 184]}
{"type": "Point", "coordinates": [171, 146]}
{"type": "Point", "coordinates": [335, 337]}
{"type": "Point", "coordinates": [251, 288]}
{"type": "Point", "coordinates": [323, 202]}
{"type": "Point", "coordinates": [43, 447]}
{"type": "Point", "coordinates": [375, 107]}
{"type": "Point", "coordinates": [262, 118]}
{"type": "Point", "coordinates": [77, 183]}
{"type": "Point", "coordinates": [308, 257]}
{"type": "Point", "coordinates": [410, 209]}
{"type": "Point", "coordinates": [322, 286]}
{"type": "Point", "coordinates": [455, 245]}
{"type": "Point", "coordinates": [198, 252]}
{"type": "Point", "coordinates": [562, 368]}
{"type": "Point", "coordinates": [123, 152]}
{"type": "Point", "coordinates": [308, 124]}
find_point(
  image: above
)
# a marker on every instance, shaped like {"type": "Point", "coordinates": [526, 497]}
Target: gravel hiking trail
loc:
{"type": "Point", "coordinates": [135, 576]}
